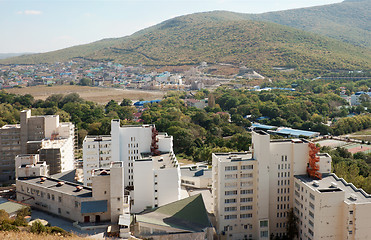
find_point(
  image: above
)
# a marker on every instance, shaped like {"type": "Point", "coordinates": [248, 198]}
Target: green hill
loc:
{"type": "Point", "coordinates": [218, 37]}
{"type": "Point", "coordinates": [349, 21]}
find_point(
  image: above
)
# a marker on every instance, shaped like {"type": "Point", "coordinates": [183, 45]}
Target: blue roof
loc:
{"type": "Point", "coordinates": [94, 206]}
{"type": "Point", "coordinates": [141, 103]}
{"type": "Point", "coordinates": [263, 126]}
{"type": "Point", "coordinates": [296, 132]}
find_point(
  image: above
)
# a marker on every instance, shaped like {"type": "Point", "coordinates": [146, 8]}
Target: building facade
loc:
{"type": "Point", "coordinates": [32, 134]}
{"type": "Point", "coordinates": [253, 191]}
{"type": "Point", "coordinates": [104, 201]}
{"type": "Point", "coordinates": [331, 208]}
{"type": "Point", "coordinates": [152, 173]}
{"type": "Point", "coordinates": [96, 155]}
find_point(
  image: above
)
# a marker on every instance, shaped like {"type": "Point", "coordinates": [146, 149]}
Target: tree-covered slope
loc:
{"type": "Point", "coordinates": [218, 37]}
{"type": "Point", "coordinates": [349, 21]}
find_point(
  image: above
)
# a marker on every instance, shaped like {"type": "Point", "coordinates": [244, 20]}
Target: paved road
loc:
{"type": "Point", "coordinates": [66, 225]}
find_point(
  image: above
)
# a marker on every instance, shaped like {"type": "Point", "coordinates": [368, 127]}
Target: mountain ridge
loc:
{"type": "Point", "coordinates": [219, 36]}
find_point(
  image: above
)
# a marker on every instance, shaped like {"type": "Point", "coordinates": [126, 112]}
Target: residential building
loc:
{"type": "Point", "coordinates": [152, 173]}
{"type": "Point", "coordinates": [331, 208]}
{"type": "Point", "coordinates": [28, 165]}
{"type": "Point", "coordinates": [96, 155]}
{"type": "Point", "coordinates": [10, 139]}
{"type": "Point", "coordinates": [32, 134]}
{"type": "Point", "coordinates": [253, 191]}
{"type": "Point", "coordinates": [104, 201]}
{"type": "Point", "coordinates": [355, 99]}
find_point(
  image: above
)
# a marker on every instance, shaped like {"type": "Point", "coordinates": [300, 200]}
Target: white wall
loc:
{"type": "Point", "coordinates": [144, 184]}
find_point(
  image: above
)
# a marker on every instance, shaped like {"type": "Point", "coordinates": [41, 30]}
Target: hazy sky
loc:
{"type": "Point", "coordinates": [45, 25]}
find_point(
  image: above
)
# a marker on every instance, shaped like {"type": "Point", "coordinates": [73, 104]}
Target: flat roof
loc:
{"type": "Point", "coordinates": [199, 172]}
{"type": "Point", "coordinates": [296, 132]}
{"type": "Point", "coordinates": [263, 126]}
{"type": "Point", "coordinates": [163, 161]}
{"type": "Point", "coordinates": [325, 185]}
{"type": "Point", "coordinates": [9, 206]}
{"type": "Point", "coordinates": [51, 183]}
{"type": "Point", "coordinates": [234, 156]}
{"type": "Point", "coordinates": [97, 138]}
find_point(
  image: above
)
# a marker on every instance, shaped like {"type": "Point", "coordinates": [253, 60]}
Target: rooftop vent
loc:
{"type": "Point", "coordinates": [316, 183]}
{"type": "Point", "coordinates": [43, 179]}
{"type": "Point", "coordinates": [79, 188]}
{"type": "Point", "coordinates": [161, 159]}
{"type": "Point", "coordinates": [59, 184]}
{"type": "Point", "coordinates": [334, 185]}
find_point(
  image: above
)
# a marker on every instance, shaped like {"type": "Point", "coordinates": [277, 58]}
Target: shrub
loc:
{"type": "Point", "coordinates": [38, 227]}
{"type": "Point", "coordinates": [56, 230]}
{"type": "Point", "coordinates": [8, 227]}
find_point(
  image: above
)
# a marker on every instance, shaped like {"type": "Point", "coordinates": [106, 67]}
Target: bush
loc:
{"type": "Point", "coordinates": [58, 230]}
{"type": "Point", "coordinates": [8, 227]}
{"type": "Point", "coordinates": [38, 227]}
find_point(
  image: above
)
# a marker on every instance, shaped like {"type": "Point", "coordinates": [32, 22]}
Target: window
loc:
{"type": "Point", "coordinates": [230, 216]}
{"type": "Point", "coordinates": [246, 215]}
{"type": "Point", "coordinates": [249, 191]}
{"type": "Point", "coordinates": [230, 200]}
{"type": "Point", "coordinates": [230, 168]}
{"type": "Point", "coordinates": [234, 192]}
{"type": "Point", "coordinates": [263, 234]}
{"type": "Point", "coordinates": [230, 176]}
{"type": "Point", "coordinates": [246, 175]}
{"type": "Point", "coordinates": [230, 184]}
{"type": "Point", "coordinates": [59, 211]}
{"type": "Point", "coordinates": [246, 200]}
{"type": "Point", "coordinates": [76, 204]}
{"type": "Point", "coordinates": [59, 199]}
{"type": "Point", "coordinates": [247, 207]}
{"type": "Point", "coordinates": [264, 223]}
{"type": "Point", "coordinates": [230, 209]}
{"type": "Point", "coordinates": [351, 212]}
{"type": "Point", "coordinates": [244, 167]}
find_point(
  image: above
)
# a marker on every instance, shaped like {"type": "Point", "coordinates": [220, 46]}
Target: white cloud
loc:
{"type": "Point", "coordinates": [29, 12]}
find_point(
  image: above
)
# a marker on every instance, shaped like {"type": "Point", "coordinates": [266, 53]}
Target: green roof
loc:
{"type": "Point", "coordinates": [187, 214]}
{"type": "Point", "coordinates": [10, 207]}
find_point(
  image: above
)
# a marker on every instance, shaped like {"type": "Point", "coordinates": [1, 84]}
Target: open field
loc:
{"type": "Point", "coordinates": [31, 236]}
{"type": "Point", "coordinates": [364, 135]}
{"type": "Point", "coordinates": [96, 94]}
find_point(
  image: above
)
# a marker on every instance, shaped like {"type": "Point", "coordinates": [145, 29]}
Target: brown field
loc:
{"type": "Point", "coordinates": [31, 236]}
{"type": "Point", "coordinates": [96, 94]}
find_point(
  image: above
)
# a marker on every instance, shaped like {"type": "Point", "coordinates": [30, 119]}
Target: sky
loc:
{"type": "Point", "coordinates": [47, 25]}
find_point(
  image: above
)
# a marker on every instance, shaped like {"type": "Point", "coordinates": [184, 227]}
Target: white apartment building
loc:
{"type": "Point", "coordinates": [96, 155]}
{"type": "Point", "coordinates": [253, 191]}
{"type": "Point", "coordinates": [152, 173]}
{"type": "Point", "coordinates": [156, 181]}
{"type": "Point", "coordinates": [331, 208]}
{"type": "Point", "coordinates": [58, 154]}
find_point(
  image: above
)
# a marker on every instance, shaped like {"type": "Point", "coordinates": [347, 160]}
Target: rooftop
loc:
{"type": "Point", "coordinates": [188, 214]}
{"type": "Point", "coordinates": [52, 184]}
{"type": "Point", "coordinates": [9, 206]}
{"type": "Point", "coordinates": [234, 156]}
{"type": "Point", "coordinates": [165, 160]}
{"type": "Point", "coordinates": [97, 138]}
{"type": "Point", "coordinates": [331, 183]}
